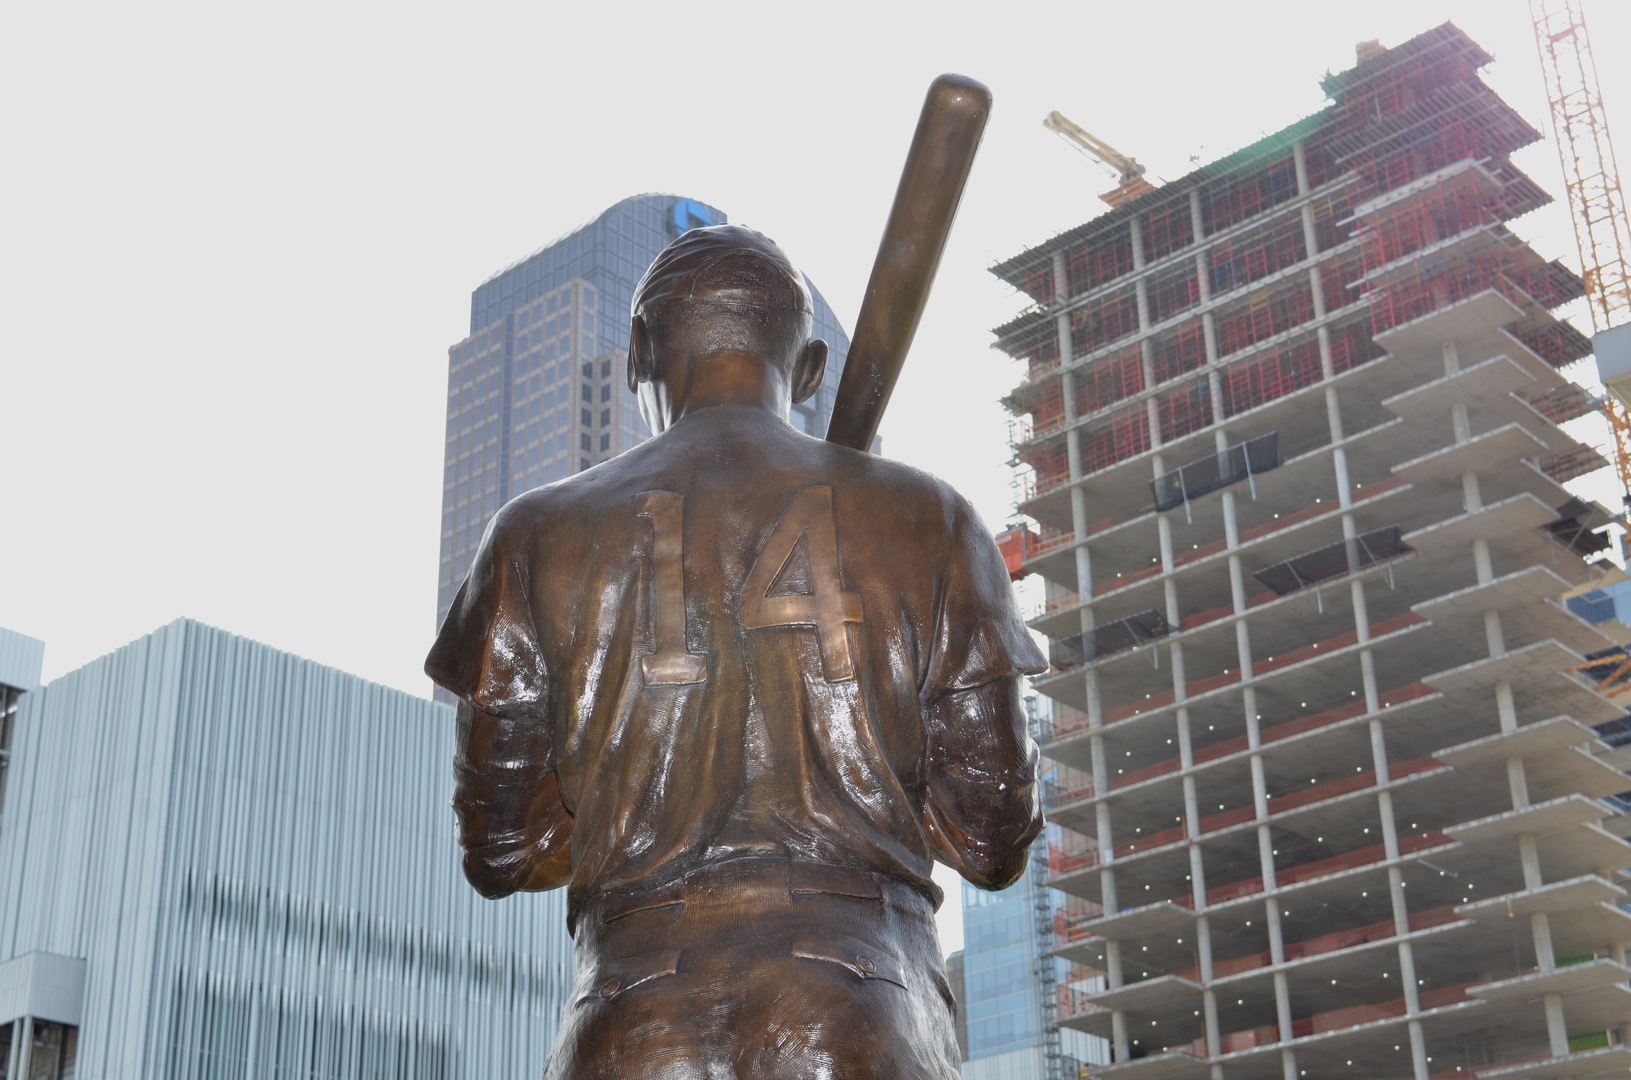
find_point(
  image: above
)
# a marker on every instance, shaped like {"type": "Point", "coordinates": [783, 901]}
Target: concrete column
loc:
{"type": "Point", "coordinates": [1557, 1034]}
{"type": "Point", "coordinates": [1333, 413]}
{"type": "Point", "coordinates": [1418, 1050]}
{"type": "Point", "coordinates": [1265, 854]}
{"type": "Point", "coordinates": [1315, 282]}
{"type": "Point", "coordinates": [1118, 1017]}
{"type": "Point", "coordinates": [1471, 498]}
{"type": "Point", "coordinates": [1396, 892]}
{"type": "Point", "coordinates": [1367, 657]}
{"type": "Point", "coordinates": [1299, 160]}
{"type": "Point", "coordinates": [1529, 855]}
{"type": "Point", "coordinates": [22, 1045]}
{"type": "Point", "coordinates": [1237, 573]}
{"type": "Point", "coordinates": [1209, 331]}
{"type": "Point", "coordinates": [1140, 291]}
{"type": "Point", "coordinates": [1333, 409]}
{"type": "Point", "coordinates": [1482, 562]}
{"type": "Point", "coordinates": [1282, 990]}
{"type": "Point", "coordinates": [1494, 636]}
{"type": "Point", "coordinates": [1505, 708]}
{"type": "Point", "coordinates": [1518, 782]}
{"type": "Point", "coordinates": [1452, 358]}
{"type": "Point", "coordinates": [1105, 836]}
{"type": "Point", "coordinates": [1540, 928]}
{"type": "Point", "coordinates": [1209, 997]}
{"type": "Point", "coordinates": [1141, 297]}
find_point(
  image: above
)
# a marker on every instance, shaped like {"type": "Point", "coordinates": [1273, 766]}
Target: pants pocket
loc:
{"type": "Point", "coordinates": [863, 959]}
{"type": "Point", "coordinates": [619, 976]}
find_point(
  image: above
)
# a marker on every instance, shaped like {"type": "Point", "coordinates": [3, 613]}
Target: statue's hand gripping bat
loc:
{"type": "Point", "coordinates": [931, 185]}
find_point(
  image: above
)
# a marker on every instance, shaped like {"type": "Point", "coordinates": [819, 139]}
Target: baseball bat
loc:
{"type": "Point", "coordinates": [931, 185]}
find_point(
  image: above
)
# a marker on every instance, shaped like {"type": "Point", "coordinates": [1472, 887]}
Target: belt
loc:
{"type": "Point", "coordinates": [726, 882]}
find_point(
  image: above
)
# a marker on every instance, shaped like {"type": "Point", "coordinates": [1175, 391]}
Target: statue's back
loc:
{"type": "Point", "coordinates": [736, 638]}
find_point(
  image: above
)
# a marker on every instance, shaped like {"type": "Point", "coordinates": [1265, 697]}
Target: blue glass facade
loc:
{"type": "Point", "coordinates": [536, 392]}
{"type": "Point", "coordinates": [1004, 935]}
{"type": "Point", "coordinates": [999, 970]}
{"type": "Point", "coordinates": [1001, 995]}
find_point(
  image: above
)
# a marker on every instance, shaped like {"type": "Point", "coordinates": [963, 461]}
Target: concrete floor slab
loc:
{"type": "Point", "coordinates": [1539, 685]}
{"type": "Point", "coordinates": [1174, 1065]}
{"type": "Point", "coordinates": [1513, 527]}
{"type": "Point", "coordinates": [1573, 979]}
{"type": "Point", "coordinates": [1474, 324]}
{"type": "Point", "coordinates": [1566, 897]}
{"type": "Point", "coordinates": [1526, 598]}
{"type": "Point", "coordinates": [1318, 678]}
{"type": "Point", "coordinates": [1143, 921]}
{"type": "Point", "coordinates": [1164, 998]}
{"type": "Point", "coordinates": [1548, 736]}
{"type": "Point", "coordinates": [1597, 1010]}
{"type": "Point", "coordinates": [1197, 576]}
{"type": "Point", "coordinates": [1585, 1063]}
{"type": "Point", "coordinates": [1493, 453]}
{"type": "Point", "coordinates": [1541, 819]}
{"type": "Point", "coordinates": [1299, 417]}
{"type": "Point", "coordinates": [1574, 933]}
{"type": "Point", "coordinates": [1551, 767]}
{"type": "Point", "coordinates": [1494, 393]}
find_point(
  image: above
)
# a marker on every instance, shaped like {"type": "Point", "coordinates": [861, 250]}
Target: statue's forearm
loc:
{"type": "Point", "coordinates": [982, 810]}
{"type": "Point", "coordinates": [514, 830]}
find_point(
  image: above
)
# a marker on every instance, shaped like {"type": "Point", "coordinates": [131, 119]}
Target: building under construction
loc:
{"type": "Point", "coordinates": [1334, 787]}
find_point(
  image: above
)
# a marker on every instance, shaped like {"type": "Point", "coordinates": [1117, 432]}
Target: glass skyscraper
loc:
{"type": "Point", "coordinates": [537, 391]}
{"type": "Point", "coordinates": [1012, 985]}
{"type": "Point", "coordinates": [1001, 991]}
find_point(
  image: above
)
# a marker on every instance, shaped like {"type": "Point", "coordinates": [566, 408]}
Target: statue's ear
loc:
{"type": "Point", "coordinates": [808, 369]}
{"type": "Point", "coordinates": [642, 361]}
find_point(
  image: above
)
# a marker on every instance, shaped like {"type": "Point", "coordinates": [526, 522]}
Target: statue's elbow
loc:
{"type": "Point", "coordinates": [1001, 858]}
{"type": "Point", "coordinates": [494, 877]}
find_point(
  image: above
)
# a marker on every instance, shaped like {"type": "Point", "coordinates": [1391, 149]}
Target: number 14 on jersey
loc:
{"type": "Point", "coordinates": [826, 607]}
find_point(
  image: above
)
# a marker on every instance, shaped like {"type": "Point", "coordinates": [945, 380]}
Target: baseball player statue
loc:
{"type": "Point", "coordinates": [737, 690]}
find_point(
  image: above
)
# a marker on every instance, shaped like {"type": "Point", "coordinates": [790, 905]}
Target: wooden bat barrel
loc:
{"type": "Point", "coordinates": [931, 186]}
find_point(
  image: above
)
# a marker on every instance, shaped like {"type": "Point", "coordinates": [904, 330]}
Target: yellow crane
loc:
{"type": "Point", "coordinates": [1592, 179]}
{"type": "Point", "coordinates": [1128, 170]}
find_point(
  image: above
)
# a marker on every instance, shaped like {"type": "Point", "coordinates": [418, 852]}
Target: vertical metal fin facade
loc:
{"type": "Point", "coordinates": [255, 856]}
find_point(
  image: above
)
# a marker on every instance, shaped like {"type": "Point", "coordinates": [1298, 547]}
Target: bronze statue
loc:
{"type": "Point", "coordinates": [738, 688]}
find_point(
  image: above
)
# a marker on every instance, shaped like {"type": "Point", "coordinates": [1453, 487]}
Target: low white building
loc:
{"type": "Point", "coordinates": [218, 859]}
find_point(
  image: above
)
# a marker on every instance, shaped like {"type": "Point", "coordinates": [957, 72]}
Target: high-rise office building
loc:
{"type": "Point", "coordinates": [1338, 787]}
{"type": "Point", "coordinates": [538, 390]}
{"type": "Point", "coordinates": [220, 860]}
{"type": "Point", "coordinates": [1006, 967]}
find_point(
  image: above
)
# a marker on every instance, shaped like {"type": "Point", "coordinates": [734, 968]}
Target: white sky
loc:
{"type": "Point", "coordinates": [237, 241]}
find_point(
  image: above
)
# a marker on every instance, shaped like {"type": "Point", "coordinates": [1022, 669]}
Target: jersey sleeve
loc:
{"type": "Point", "coordinates": [979, 636]}
{"type": "Point", "coordinates": [486, 652]}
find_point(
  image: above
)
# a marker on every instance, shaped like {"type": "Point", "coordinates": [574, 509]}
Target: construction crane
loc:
{"type": "Point", "coordinates": [1592, 180]}
{"type": "Point", "coordinates": [1128, 170]}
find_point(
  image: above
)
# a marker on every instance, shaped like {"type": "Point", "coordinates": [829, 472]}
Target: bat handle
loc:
{"type": "Point", "coordinates": [931, 186]}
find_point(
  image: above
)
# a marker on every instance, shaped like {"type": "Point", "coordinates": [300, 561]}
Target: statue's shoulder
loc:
{"type": "Point", "coordinates": [580, 502]}
{"type": "Point", "coordinates": [904, 487]}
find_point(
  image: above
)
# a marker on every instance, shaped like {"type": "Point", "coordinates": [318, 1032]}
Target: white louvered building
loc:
{"type": "Point", "coordinates": [221, 860]}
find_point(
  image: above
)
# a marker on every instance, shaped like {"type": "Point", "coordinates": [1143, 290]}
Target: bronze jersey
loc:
{"type": "Point", "coordinates": [732, 641]}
